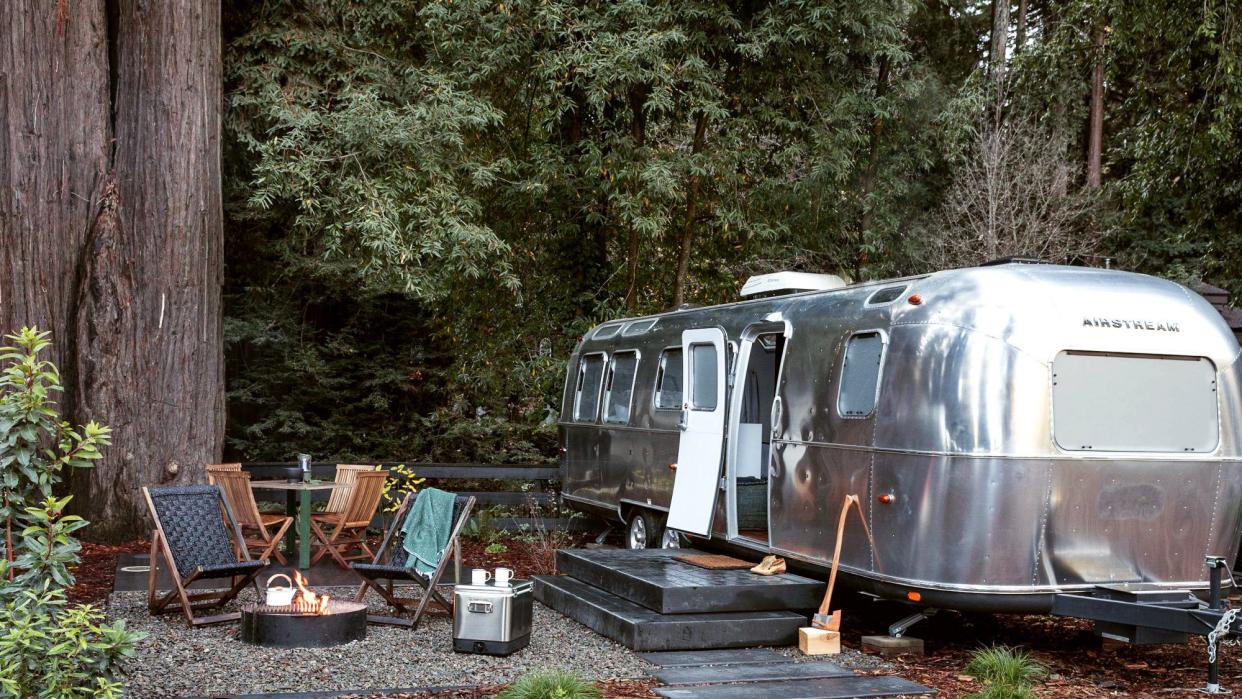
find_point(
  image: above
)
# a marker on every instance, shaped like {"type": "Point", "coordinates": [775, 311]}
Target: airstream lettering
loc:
{"type": "Point", "coordinates": [1007, 448]}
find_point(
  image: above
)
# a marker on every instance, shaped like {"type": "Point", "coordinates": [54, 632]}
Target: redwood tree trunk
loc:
{"type": "Point", "coordinates": [1095, 146]}
{"type": "Point", "coordinates": [54, 153]}
{"type": "Point", "coordinates": [686, 244]}
{"type": "Point", "coordinates": [1000, 39]}
{"type": "Point", "coordinates": [118, 244]}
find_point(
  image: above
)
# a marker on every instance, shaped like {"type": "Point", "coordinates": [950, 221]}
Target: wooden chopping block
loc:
{"type": "Point", "coordinates": [813, 641]}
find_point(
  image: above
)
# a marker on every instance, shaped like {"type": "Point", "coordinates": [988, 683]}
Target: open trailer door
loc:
{"type": "Point", "coordinates": [702, 431]}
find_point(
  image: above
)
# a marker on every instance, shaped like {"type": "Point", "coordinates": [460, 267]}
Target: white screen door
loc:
{"type": "Point", "coordinates": [702, 431]}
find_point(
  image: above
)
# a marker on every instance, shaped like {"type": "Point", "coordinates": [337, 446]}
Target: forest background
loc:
{"type": "Point", "coordinates": [415, 208]}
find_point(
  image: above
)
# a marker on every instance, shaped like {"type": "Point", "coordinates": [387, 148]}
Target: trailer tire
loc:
{"type": "Point", "coordinates": [672, 539]}
{"type": "Point", "coordinates": [642, 531]}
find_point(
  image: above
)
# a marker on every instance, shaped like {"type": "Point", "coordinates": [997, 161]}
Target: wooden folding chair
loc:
{"type": "Point", "coordinates": [349, 526]}
{"type": "Point", "coordinates": [389, 565]}
{"type": "Point", "coordinates": [346, 474]}
{"type": "Point", "coordinates": [194, 545]}
{"type": "Point", "coordinates": [213, 469]}
{"type": "Point", "coordinates": [240, 497]}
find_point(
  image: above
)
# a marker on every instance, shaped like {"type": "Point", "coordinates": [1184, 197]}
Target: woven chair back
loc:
{"type": "Point", "coordinates": [189, 517]}
{"type": "Point", "coordinates": [236, 487]}
{"type": "Point", "coordinates": [346, 474]}
{"type": "Point", "coordinates": [364, 498]}
{"type": "Point", "coordinates": [213, 469]}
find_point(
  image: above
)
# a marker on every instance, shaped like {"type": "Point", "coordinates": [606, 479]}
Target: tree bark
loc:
{"type": "Point", "coordinates": [687, 231]}
{"type": "Point", "coordinates": [1020, 34]}
{"type": "Point", "coordinates": [112, 231]}
{"type": "Point", "coordinates": [873, 163]}
{"type": "Point", "coordinates": [54, 152]}
{"type": "Point", "coordinates": [1000, 40]}
{"type": "Point", "coordinates": [638, 131]}
{"type": "Point", "coordinates": [1095, 146]}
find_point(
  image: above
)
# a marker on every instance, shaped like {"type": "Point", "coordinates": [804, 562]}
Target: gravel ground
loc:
{"type": "Point", "coordinates": [177, 661]}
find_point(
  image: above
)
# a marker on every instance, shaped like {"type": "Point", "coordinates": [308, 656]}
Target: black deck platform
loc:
{"type": "Point", "coordinates": [762, 672]}
{"type": "Point", "coordinates": [653, 579]}
{"type": "Point", "coordinates": [643, 629]}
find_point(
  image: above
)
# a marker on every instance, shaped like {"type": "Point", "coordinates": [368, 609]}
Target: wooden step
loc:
{"type": "Point", "coordinates": [643, 629]}
{"type": "Point", "coordinates": [653, 579]}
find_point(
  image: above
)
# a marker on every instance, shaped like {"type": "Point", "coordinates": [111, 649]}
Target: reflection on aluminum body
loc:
{"type": "Point", "coordinates": [984, 508]}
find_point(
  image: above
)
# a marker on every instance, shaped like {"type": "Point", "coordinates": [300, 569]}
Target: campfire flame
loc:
{"type": "Point", "coordinates": [306, 598]}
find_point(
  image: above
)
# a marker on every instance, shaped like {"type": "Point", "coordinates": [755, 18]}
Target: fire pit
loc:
{"type": "Point", "coordinates": [311, 620]}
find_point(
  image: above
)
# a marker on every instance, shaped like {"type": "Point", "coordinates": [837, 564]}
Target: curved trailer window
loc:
{"type": "Point", "coordinates": [1134, 402]}
{"type": "Point", "coordinates": [860, 375]}
{"type": "Point", "coordinates": [620, 386]}
{"type": "Point", "coordinates": [586, 392]}
{"type": "Point", "coordinates": [668, 380]}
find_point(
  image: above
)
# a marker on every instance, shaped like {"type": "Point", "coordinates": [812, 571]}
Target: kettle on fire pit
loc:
{"type": "Point", "coordinates": [279, 596]}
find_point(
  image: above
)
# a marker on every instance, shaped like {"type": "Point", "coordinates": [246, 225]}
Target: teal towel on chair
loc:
{"type": "Point", "coordinates": [427, 528]}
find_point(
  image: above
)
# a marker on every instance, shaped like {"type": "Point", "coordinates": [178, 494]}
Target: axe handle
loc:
{"type": "Point", "coordinates": [850, 500]}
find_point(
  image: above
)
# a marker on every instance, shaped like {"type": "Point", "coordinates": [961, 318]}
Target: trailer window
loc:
{"type": "Point", "coordinates": [620, 386]}
{"type": "Point", "coordinates": [586, 394]}
{"type": "Point", "coordinates": [703, 367]}
{"type": "Point", "coordinates": [668, 380]}
{"type": "Point", "coordinates": [860, 375]}
{"type": "Point", "coordinates": [1131, 402]}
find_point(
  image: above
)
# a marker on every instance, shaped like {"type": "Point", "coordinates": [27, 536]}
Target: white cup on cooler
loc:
{"type": "Point", "coordinates": [503, 576]}
{"type": "Point", "coordinates": [480, 576]}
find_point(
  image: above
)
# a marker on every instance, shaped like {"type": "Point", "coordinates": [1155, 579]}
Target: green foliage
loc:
{"type": "Point", "coordinates": [550, 684]}
{"type": "Point", "coordinates": [496, 548]}
{"type": "Point", "coordinates": [428, 203]}
{"type": "Point", "coordinates": [1002, 691]}
{"type": "Point", "coordinates": [47, 648]}
{"type": "Point", "coordinates": [53, 651]}
{"type": "Point", "coordinates": [47, 548]}
{"type": "Point", "coordinates": [1007, 672]}
{"type": "Point", "coordinates": [35, 444]}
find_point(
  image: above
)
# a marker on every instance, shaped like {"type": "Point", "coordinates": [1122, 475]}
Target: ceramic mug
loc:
{"type": "Point", "coordinates": [279, 596]}
{"type": "Point", "coordinates": [503, 576]}
{"type": "Point", "coordinates": [480, 576]}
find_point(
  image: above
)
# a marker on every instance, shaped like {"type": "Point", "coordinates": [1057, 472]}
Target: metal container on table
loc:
{"type": "Point", "coordinates": [492, 619]}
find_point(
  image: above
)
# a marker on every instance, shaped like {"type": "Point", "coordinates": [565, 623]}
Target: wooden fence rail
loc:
{"type": "Point", "coordinates": [542, 475]}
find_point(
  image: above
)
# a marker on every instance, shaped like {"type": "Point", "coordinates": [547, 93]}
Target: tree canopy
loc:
{"type": "Point", "coordinates": [428, 202]}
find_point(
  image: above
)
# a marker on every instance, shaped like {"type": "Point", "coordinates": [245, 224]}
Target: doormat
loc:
{"type": "Point", "coordinates": [713, 561]}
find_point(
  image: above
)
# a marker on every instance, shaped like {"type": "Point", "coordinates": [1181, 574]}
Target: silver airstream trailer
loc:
{"type": "Point", "coordinates": [1014, 430]}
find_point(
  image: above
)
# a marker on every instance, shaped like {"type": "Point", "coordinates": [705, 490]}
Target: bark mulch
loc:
{"type": "Point", "coordinates": [95, 574]}
{"type": "Point", "coordinates": [1078, 665]}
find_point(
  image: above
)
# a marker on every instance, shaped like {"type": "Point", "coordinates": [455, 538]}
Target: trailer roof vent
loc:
{"type": "Point", "coordinates": [790, 283]}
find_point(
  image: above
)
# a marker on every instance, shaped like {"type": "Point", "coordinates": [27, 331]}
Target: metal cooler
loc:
{"type": "Point", "coordinates": [492, 619]}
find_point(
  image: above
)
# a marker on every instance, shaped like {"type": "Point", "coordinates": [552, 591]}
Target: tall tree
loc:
{"type": "Point", "coordinates": [118, 220]}
{"type": "Point", "coordinates": [1095, 127]}
{"type": "Point", "coordinates": [1000, 40]}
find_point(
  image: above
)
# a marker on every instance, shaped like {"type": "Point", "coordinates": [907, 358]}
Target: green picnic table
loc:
{"type": "Point", "coordinates": [302, 531]}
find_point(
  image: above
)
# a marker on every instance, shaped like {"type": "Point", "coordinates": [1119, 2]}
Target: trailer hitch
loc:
{"type": "Point", "coordinates": [1158, 613]}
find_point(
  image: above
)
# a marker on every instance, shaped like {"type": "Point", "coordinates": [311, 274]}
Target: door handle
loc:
{"type": "Point", "coordinates": [684, 420]}
{"type": "Point", "coordinates": [776, 417]}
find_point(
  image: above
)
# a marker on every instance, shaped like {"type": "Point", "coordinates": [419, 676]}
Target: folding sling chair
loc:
{"type": "Point", "coordinates": [192, 541]}
{"type": "Point", "coordinates": [389, 565]}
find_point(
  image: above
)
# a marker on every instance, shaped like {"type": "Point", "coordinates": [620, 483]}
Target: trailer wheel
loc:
{"type": "Point", "coordinates": [642, 530]}
{"type": "Point", "coordinates": [671, 539]}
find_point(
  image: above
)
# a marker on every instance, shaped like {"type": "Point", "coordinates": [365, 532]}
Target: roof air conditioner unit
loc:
{"type": "Point", "coordinates": [790, 283]}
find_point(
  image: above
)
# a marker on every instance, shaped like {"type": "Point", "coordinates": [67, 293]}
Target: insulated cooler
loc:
{"type": "Point", "coordinates": [492, 619]}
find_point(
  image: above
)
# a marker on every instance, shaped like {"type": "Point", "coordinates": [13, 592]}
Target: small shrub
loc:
{"type": "Point", "coordinates": [50, 649]}
{"type": "Point", "coordinates": [1001, 665]}
{"type": "Point", "coordinates": [496, 548]}
{"type": "Point", "coordinates": [550, 684]}
{"type": "Point", "coordinates": [1002, 691]}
